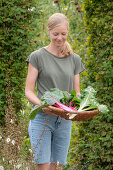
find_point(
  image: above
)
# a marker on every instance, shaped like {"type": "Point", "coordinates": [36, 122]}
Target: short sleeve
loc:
{"type": "Point", "coordinates": [34, 60]}
{"type": "Point", "coordinates": [78, 64]}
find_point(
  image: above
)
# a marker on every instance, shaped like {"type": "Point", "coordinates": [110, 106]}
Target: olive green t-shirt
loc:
{"type": "Point", "coordinates": [54, 71]}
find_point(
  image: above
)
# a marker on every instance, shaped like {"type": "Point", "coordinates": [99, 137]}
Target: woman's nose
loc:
{"type": "Point", "coordinates": [60, 37]}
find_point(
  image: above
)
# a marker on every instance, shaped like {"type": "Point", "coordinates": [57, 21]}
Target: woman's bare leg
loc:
{"type": "Point", "coordinates": [42, 166]}
{"type": "Point", "coordinates": [54, 166]}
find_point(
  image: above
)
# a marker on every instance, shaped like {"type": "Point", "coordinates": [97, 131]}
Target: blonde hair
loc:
{"type": "Point", "coordinates": [56, 20]}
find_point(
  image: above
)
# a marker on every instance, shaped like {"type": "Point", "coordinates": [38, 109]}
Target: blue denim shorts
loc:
{"type": "Point", "coordinates": [50, 138]}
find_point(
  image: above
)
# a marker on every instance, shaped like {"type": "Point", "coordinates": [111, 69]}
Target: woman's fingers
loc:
{"type": "Point", "coordinates": [56, 111]}
{"type": "Point", "coordinates": [48, 111]}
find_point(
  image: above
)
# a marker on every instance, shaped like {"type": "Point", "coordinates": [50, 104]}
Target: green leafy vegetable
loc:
{"type": "Point", "coordinates": [55, 93]}
{"type": "Point", "coordinates": [64, 107]}
{"type": "Point", "coordinates": [69, 102]}
{"type": "Point", "coordinates": [57, 98]}
{"type": "Point", "coordinates": [102, 108]}
{"type": "Point", "coordinates": [88, 100]}
{"type": "Point", "coordinates": [35, 110]}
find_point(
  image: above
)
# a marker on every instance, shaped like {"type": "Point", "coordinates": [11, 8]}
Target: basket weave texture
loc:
{"type": "Point", "coordinates": [80, 116]}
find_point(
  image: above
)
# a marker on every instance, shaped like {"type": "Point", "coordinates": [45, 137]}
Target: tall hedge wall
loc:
{"type": "Point", "coordinates": [93, 142]}
{"type": "Point", "coordinates": [16, 18]}
{"type": "Point", "coordinates": [99, 26]}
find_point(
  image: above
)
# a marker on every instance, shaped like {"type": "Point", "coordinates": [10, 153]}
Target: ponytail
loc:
{"type": "Point", "coordinates": [66, 50]}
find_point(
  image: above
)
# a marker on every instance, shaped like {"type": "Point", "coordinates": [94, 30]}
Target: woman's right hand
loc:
{"type": "Point", "coordinates": [47, 110]}
{"type": "Point", "coordinates": [51, 110]}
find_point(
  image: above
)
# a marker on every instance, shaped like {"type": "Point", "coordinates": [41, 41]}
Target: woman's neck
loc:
{"type": "Point", "coordinates": [54, 50]}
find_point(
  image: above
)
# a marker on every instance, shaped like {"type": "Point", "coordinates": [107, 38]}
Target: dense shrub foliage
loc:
{"type": "Point", "coordinates": [16, 19]}
{"type": "Point", "coordinates": [93, 144]}
{"type": "Point", "coordinates": [16, 36]}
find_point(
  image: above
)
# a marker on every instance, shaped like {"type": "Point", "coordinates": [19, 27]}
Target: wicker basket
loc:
{"type": "Point", "coordinates": [80, 116]}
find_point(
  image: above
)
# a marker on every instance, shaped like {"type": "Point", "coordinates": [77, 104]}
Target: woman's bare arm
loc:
{"type": "Point", "coordinates": [76, 84]}
{"type": "Point", "coordinates": [30, 85]}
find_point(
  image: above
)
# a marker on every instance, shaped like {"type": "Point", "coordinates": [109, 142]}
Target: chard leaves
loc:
{"type": "Point", "coordinates": [103, 108]}
{"type": "Point", "coordinates": [88, 100]}
{"type": "Point", "coordinates": [35, 110]}
{"type": "Point", "coordinates": [55, 93]}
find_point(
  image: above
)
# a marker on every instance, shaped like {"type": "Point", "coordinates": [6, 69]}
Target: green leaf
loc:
{"type": "Point", "coordinates": [55, 93]}
{"type": "Point", "coordinates": [88, 98]}
{"type": "Point", "coordinates": [91, 108]}
{"type": "Point", "coordinates": [73, 92]}
{"type": "Point", "coordinates": [103, 108]}
{"type": "Point", "coordinates": [35, 110]}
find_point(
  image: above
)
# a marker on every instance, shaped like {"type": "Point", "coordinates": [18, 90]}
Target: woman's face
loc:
{"type": "Point", "coordinates": [58, 35]}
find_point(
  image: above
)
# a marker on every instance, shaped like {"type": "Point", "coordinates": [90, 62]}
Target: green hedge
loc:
{"type": "Point", "coordinates": [16, 36]}
{"type": "Point", "coordinates": [92, 147]}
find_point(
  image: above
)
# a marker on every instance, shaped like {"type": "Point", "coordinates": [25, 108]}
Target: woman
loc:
{"type": "Point", "coordinates": [53, 66]}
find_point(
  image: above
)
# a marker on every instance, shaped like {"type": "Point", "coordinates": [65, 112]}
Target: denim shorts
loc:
{"type": "Point", "coordinates": [50, 138]}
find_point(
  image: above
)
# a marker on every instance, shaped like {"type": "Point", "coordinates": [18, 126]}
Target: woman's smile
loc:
{"type": "Point", "coordinates": [59, 34]}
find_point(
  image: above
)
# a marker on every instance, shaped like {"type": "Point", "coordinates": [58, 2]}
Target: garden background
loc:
{"type": "Point", "coordinates": [23, 30]}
